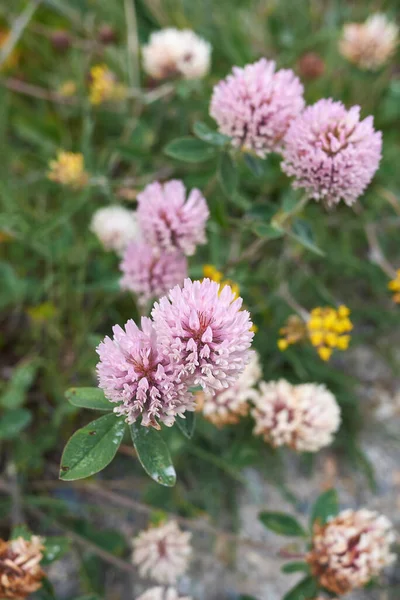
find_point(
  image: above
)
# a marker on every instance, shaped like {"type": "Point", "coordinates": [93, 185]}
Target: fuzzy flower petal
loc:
{"type": "Point", "coordinates": [331, 154]}
{"type": "Point", "coordinates": [20, 571]}
{"type": "Point", "coordinates": [204, 332]}
{"type": "Point", "coordinates": [115, 226]}
{"type": "Point", "coordinates": [176, 53]}
{"type": "Point", "coordinates": [162, 553]}
{"type": "Point", "coordinates": [134, 373]}
{"type": "Point", "coordinates": [228, 405]}
{"type": "Point", "coordinates": [150, 274]}
{"type": "Point", "coordinates": [351, 549]}
{"type": "Point", "coordinates": [168, 220]}
{"type": "Point", "coordinates": [304, 417]}
{"type": "Point", "coordinates": [255, 106]}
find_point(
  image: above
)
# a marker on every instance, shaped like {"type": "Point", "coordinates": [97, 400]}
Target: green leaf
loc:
{"type": "Point", "coordinates": [227, 174]}
{"type": "Point", "coordinates": [281, 523]}
{"type": "Point", "coordinates": [255, 164]}
{"type": "Point", "coordinates": [301, 231]}
{"type": "Point", "coordinates": [203, 131]}
{"type": "Point", "coordinates": [153, 454]}
{"type": "Point", "coordinates": [13, 422]}
{"type": "Point", "coordinates": [265, 230]}
{"type": "Point", "coordinates": [187, 424]}
{"type": "Point", "coordinates": [326, 505]}
{"type": "Point", "coordinates": [189, 150]}
{"type": "Point", "coordinates": [21, 531]}
{"type": "Point", "coordinates": [307, 589]}
{"type": "Point", "coordinates": [54, 548]}
{"type": "Point", "coordinates": [296, 566]}
{"type": "Point", "coordinates": [89, 397]}
{"type": "Point", "coordinates": [20, 382]}
{"type": "Point", "coordinates": [92, 448]}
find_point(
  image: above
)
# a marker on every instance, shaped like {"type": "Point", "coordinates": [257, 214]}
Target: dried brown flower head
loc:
{"type": "Point", "coordinates": [20, 572]}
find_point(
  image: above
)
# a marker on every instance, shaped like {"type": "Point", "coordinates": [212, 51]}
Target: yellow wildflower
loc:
{"type": "Point", "coordinates": [67, 89]}
{"type": "Point", "coordinates": [68, 169]}
{"type": "Point", "coordinates": [294, 331]}
{"type": "Point", "coordinates": [394, 286]}
{"type": "Point", "coordinates": [104, 86]}
{"type": "Point", "coordinates": [212, 273]}
{"type": "Point", "coordinates": [326, 328]}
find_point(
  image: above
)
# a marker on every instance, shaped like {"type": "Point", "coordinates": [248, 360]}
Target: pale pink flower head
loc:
{"type": "Point", "coordinates": [351, 549]}
{"type": "Point", "coordinates": [205, 333]}
{"type": "Point", "coordinates": [369, 45]}
{"type": "Point", "coordinates": [134, 373]}
{"type": "Point", "coordinates": [256, 104]}
{"type": "Point", "coordinates": [161, 593]}
{"type": "Point", "coordinates": [169, 221]}
{"type": "Point", "coordinates": [115, 226]}
{"type": "Point", "coordinates": [150, 274]}
{"type": "Point", "coordinates": [331, 154]}
{"type": "Point", "coordinates": [162, 553]}
{"type": "Point", "coordinates": [304, 417]}
{"type": "Point", "coordinates": [225, 407]}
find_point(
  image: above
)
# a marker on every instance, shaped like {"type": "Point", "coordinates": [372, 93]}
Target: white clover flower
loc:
{"type": "Point", "coordinates": [162, 553]}
{"type": "Point", "coordinates": [160, 593]}
{"type": "Point", "coordinates": [369, 45]}
{"type": "Point", "coordinates": [351, 549]}
{"type": "Point", "coordinates": [115, 226]}
{"type": "Point", "coordinates": [176, 53]}
{"type": "Point", "coordinates": [228, 405]}
{"type": "Point", "coordinates": [304, 417]}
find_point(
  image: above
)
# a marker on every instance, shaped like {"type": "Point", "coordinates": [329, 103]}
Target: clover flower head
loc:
{"type": "Point", "coordinates": [162, 553]}
{"type": "Point", "coordinates": [350, 550]}
{"type": "Point", "coordinates": [176, 53]}
{"type": "Point", "coordinates": [160, 593]}
{"type": "Point", "coordinates": [136, 375]}
{"type": "Point", "coordinates": [68, 169]}
{"type": "Point", "coordinates": [303, 417]}
{"type": "Point", "coordinates": [115, 226]}
{"type": "Point", "coordinates": [225, 407]}
{"type": "Point", "coordinates": [104, 86]}
{"type": "Point", "coordinates": [20, 571]}
{"type": "Point", "coordinates": [255, 105]}
{"type": "Point", "coordinates": [204, 332]}
{"type": "Point", "coordinates": [168, 220]}
{"type": "Point", "coordinates": [394, 286]}
{"type": "Point", "coordinates": [150, 274]}
{"type": "Point", "coordinates": [369, 45]}
{"type": "Point", "coordinates": [331, 154]}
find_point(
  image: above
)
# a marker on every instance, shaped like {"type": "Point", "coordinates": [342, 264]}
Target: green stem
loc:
{"type": "Point", "coordinates": [18, 29]}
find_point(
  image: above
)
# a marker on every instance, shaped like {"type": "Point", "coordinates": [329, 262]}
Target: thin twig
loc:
{"type": "Point", "coordinates": [18, 29]}
{"type": "Point", "coordinates": [376, 253]}
{"type": "Point", "coordinates": [390, 197]}
{"type": "Point", "coordinates": [285, 294]}
{"type": "Point", "coordinates": [17, 516]}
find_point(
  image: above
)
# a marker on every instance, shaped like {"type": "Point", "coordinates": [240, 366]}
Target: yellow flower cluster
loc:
{"type": "Point", "coordinates": [329, 328]}
{"type": "Point", "coordinates": [212, 273]}
{"type": "Point", "coordinates": [68, 169]}
{"type": "Point", "coordinates": [394, 286]}
{"type": "Point", "coordinates": [104, 86]}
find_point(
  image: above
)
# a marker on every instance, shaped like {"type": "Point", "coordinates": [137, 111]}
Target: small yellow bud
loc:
{"type": "Point", "coordinates": [317, 338]}
{"type": "Point", "coordinates": [282, 345]}
{"type": "Point", "coordinates": [324, 352]}
{"type": "Point", "coordinates": [343, 342]}
{"type": "Point", "coordinates": [343, 311]}
{"type": "Point", "coordinates": [331, 339]}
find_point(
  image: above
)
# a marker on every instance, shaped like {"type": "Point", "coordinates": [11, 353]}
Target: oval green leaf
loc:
{"type": "Point", "coordinates": [202, 131]}
{"type": "Point", "coordinates": [307, 589]}
{"type": "Point", "coordinates": [187, 424]}
{"type": "Point", "coordinates": [281, 524]}
{"type": "Point", "coordinates": [227, 174]}
{"type": "Point", "coordinates": [13, 422]}
{"type": "Point", "coordinates": [326, 506]}
{"type": "Point", "coordinates": [92, 448]}
{"type": "Point", "coordinates": [189, 150]}
{"type": "Point", "coordinates": [153, 454]}
{"type": "Point", "coordinates": [295, 567]}
{"type": "Point", "coordinates": [89, 397]}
